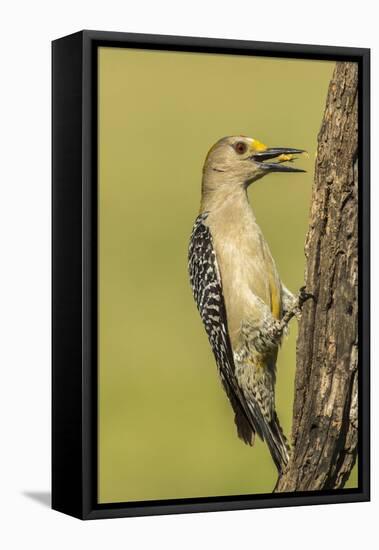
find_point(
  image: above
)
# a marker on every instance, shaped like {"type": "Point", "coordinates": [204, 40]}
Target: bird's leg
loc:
{"type": "Point", "coordinates": [294, 310]}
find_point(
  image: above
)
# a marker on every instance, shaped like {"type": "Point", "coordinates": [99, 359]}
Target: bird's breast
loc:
{"type": "Point", "coordinates": [248, 273]}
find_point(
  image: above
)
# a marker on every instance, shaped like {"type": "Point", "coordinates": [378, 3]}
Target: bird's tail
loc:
{"type": "Point", "coordinates": [271, 432]}
{"type": "Point", "coordinates": [276, 442]}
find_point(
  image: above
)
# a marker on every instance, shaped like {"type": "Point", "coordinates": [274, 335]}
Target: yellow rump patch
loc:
{"type": "Point", "coordinates": [275, 299]}
{"type": "Point", "coordinates": [275, 304]}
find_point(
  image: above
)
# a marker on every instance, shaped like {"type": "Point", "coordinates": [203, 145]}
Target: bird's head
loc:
{"type": "Point", "coordinates": [237, 161]}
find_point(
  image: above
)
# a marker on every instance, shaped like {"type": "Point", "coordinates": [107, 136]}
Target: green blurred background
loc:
{"type": "Point", "coordinates": [166, 428]}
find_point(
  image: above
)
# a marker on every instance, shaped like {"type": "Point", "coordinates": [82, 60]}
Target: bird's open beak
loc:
{"type": "Point", "coordinates": [282, 154]}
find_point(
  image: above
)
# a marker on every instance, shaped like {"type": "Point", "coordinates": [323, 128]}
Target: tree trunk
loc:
{"type": "Point", "coordinates": [325, 416]}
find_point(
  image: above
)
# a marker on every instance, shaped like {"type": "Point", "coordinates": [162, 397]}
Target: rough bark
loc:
{"type": "Point", "coordinates": [325, 419]}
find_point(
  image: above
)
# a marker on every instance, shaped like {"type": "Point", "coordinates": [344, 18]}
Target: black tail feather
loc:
{"type": "Point", "coordinates": [277, 443]}
{"type": "Point", "coordinates": [272, 433]}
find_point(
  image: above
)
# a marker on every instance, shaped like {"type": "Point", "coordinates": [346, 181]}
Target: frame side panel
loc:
{"type": "Point", "coordinates": [67, 275]}
{"type": "Point", "coordinates": [364, 344]}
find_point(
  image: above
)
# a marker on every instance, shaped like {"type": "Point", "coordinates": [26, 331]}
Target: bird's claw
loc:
{"type": "Point", "coordinates": [304, 296]}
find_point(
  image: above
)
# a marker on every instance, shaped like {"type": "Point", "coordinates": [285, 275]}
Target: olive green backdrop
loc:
{"type": "Point", "coordinates": [166, 428]}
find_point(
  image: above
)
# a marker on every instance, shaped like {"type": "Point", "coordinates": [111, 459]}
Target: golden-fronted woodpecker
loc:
{"type": "Point", "coordinates": [243, 304]}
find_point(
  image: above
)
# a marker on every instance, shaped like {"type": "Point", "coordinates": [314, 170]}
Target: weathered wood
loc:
{"type": "Point", "coordinates": [325, 419]}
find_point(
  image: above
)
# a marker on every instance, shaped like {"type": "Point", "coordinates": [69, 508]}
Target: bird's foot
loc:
{"type": "Point", "coordinates": [304, 296]}
{"type": "Point", "coordinates": [294, 311]}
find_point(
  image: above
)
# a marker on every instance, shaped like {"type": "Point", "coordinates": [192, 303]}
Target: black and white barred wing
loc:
{"type": "Point", "coordinates": [207, 290]}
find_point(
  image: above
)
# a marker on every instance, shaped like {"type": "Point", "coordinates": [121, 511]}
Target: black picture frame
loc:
{"type": "Point", "coordinates": [74, 273]}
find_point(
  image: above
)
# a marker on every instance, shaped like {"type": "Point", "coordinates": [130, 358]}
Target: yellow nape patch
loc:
{"type": "Point", "coordinates": [258, 146]}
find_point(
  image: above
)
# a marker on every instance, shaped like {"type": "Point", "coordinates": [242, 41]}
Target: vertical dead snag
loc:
{"type": "Point", "coordinates": [325, 430]}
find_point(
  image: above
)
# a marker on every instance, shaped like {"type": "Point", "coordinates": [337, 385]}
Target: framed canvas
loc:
{"type": "Point", "coordinates": [210, 292]}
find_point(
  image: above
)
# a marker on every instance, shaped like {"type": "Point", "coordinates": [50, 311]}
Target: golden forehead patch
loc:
{"type": "Point", "coordinates": [257, 146]}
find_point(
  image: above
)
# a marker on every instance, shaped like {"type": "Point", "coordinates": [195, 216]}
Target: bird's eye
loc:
{"type": "Point", "coordinates": [240, 147]}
